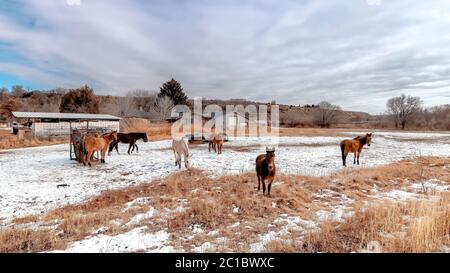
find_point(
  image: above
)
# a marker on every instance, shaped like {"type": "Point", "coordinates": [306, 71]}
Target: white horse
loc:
{"type": "Point", "coordinates": [180, 148]}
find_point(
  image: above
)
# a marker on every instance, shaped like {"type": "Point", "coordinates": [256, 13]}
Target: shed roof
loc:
{"type": "Point", "coordinates": [64, 116]}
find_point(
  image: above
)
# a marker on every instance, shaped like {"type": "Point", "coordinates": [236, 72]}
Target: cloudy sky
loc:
{"type": "Point", "coordinates": [356, 53]}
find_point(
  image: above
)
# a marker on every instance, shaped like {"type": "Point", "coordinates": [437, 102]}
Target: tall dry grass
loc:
{"type": "Point", "coordinates": [414, 227]}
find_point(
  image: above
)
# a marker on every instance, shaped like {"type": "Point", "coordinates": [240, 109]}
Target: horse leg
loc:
{"type": "Point", "coordinates": [102, 160]}
{"type": "Point", "coordinates": [354, 157]}
{"type": "Point", "coordinates": [116, 145]}
{"type": "Point", "coordinates": [259, 182]}
{"type": "Point", "coordinates": [89, 155]}
{"type": "Point", "coordinates": [137, 148]}
{"type": "Point", "coordinates": [358, 157]}
{"type": "Point", "coordinates": [264, 186]}
{"type": "Point", "coordinates": [84, 158]}
{"type": "Point", "coordinates": [269, 186]}
{"type": "Point", "coordinates": [345, 159]}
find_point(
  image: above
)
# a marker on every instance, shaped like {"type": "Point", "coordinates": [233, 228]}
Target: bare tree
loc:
{"type": "Point", "coordinates": [144, 100]}
{"type": "Point", "coordinates": [126, 105]}
{"type": "Point", "coordinates": [327, 113]}
{"type": "Point", "coordinates": [163, 106]}
{"type": "Point", "coordinates": [17, 91]}
{"type": "Point", "coordinates": [403, 108]}
{"type": "Point", "coordinates": [3, 93]}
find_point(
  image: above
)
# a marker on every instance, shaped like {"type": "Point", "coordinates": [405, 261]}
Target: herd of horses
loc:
{"type": "Point", "coordinates": [265, 163]}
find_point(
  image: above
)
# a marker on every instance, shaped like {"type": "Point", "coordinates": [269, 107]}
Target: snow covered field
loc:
{"type": "Point", "coordinates": [34, 180]}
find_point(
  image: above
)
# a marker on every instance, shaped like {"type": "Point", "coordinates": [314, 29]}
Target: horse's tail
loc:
{"type": "Point", "coordinates": [111, 146]}
{"type": "Point", "coordinates": [343, 151]}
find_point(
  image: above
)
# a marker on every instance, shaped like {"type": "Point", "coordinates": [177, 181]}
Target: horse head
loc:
{"type": "Point", "coordinates": [270, 158]}
{"type": "Point", "coordinates": [114, 135]}
{"type": "Point", "coordinates": [188, 161]}
{"type": "Point", "coordinates": [145, 137]}
{"type": "Point", "coordinates": [369, 139]}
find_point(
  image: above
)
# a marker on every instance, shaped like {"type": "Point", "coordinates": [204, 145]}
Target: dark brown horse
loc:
{"type": "Point", "coordinates": [265, 169]}
{"type": "Point", "coordinates": [97, 143]}
{"type": "Point", "coordinates": [129, 138]}
{"type": "Point", "coordinates": [354, 146]}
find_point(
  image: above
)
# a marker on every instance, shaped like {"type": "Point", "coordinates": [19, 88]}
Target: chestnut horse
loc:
{"type": "Point", "coordinates": [354, 146]}
{"type": "Point", "coordinates": [265, 169]}
{"type": "Point", "coordinates": [97, 143]}
{"type": "Point", "coordinates": [216, 143]}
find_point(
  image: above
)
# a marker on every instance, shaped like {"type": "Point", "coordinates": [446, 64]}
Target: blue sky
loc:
{"type": "Point", "coordinates": [355, 53]}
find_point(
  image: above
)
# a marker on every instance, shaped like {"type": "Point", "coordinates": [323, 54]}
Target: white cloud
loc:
{"type": "Point", "coordinates": [347, 52]}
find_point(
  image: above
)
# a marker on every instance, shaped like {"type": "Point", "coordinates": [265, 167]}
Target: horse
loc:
{"type": "Point", "coordinates": [130, 138]}
{"type": "Point", "coordinates": [216, 143]}
{"type": "Point", "coordinates": [97, 143]}
{"type": "Point", "coordinates": [355, 146]}
{"type": "Point", "coordinates": [265, 169]}
{"type": "Point", "coordinates": [180, 148]}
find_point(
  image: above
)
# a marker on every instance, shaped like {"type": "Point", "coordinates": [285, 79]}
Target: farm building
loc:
{"type": "Point", "coordinates": [60, 124]}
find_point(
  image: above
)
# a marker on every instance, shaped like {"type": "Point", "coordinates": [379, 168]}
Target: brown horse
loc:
{"type": "Point", "coordinates": [97, 143]}
{"type": "Point", "coordinates": [130, 138]}
{"type": "Point", "coordinates": [265, 169]}
{"type": "Point", "coordinates": [216, 143]}
{"type": "Point", "coordinates": [354, 146]}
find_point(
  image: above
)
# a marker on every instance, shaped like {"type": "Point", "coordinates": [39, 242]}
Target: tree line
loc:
{"type": "Point", "coordinates": [402, 112]}
{"type": "Point", "coordinates": [84, 100]}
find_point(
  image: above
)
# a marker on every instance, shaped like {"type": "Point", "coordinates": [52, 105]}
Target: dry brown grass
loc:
{"type": "Point", "coordinates": [159, 131]}
{"type": "Point", "coordinates": [414, 227]}
{"type": "Point", "coordinates": [209, 203]}
{"type": "Point", "coordinates": [312, 132]}
{"type": "Point", "coordinates": [11, 142]}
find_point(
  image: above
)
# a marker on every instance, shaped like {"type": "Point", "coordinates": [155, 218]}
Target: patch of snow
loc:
{"type": "Point", "coordinates": [142, 216]}
{"type": "Point", "coordinates": [338, 213]}
{"type": "Point", "coordinates": [429, 186]}
{"type": "Point", "coordinates": [290, 223]}
{"type": "Point", "coordinates": [136, 203]}
{"type": "Point", "coordinates": [196, 228]}
{"type": "Point", "coordinates": [397, 195]}
{"type": "Point", "coordinates": [205, 247]}
{"type": "Point", "coordinates": [115, 222]}
{"type": "Point", "coordinates": [136, 240]}
{"type": "Point", "coordinates": [213, 233]}
{"type": "Point", "coordinates": [235, 225]}
{"type": "Point", "coordinates": [221, 239]}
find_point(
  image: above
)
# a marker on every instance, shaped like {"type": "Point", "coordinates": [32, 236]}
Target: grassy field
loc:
{"type": "Point", "coordinates": [227, 214]}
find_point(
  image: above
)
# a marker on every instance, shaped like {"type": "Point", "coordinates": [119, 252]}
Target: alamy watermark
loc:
{"type": "Point", "coordinates": [233, 122]}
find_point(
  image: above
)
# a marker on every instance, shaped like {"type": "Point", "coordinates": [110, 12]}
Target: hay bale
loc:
{"type": "Point", "coordinates": [134, 125]}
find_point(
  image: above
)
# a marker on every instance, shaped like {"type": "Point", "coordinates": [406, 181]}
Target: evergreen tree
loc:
{"type": "Point", "coordinates": [174, 91]}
